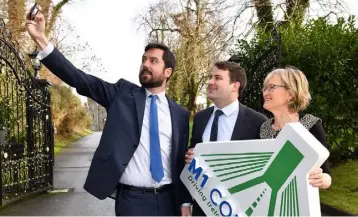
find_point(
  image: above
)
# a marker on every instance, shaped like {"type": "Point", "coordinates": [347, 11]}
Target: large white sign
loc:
{"type": "Point", "coordinates": [257, 177]}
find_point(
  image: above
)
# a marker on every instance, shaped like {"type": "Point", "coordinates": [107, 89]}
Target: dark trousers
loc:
{"type": "Point", "coordinates": [197, 211]}
{"type": "Point", "coordinates": [141, 203]}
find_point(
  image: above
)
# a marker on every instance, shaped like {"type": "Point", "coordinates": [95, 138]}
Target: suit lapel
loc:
{"type": "Point", "coordinates": [175, 131]}
{"type": "Point", "coordinates": [139, 99]}
{"type": "Point", "coordinates": [201, 124]}
{"type": "Point", "coordinates": [240, 124]}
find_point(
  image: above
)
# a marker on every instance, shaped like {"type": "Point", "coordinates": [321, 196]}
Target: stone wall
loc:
{"type": "Point", "coordinates": [98, 114]}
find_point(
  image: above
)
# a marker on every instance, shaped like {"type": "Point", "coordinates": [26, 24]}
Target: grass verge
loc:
{"type": "Point", "coordinates": [343, 193]}
{"type": "Point", "coordinates": [62, 141]}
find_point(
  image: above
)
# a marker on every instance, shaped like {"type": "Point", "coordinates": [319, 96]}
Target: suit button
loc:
{"type": "Point", "coordinates": [135, 146]}
{"type": "Point", "coordinates": [124, 163]}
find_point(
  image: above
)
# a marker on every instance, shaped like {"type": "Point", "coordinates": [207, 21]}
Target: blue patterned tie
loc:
{"type": "Point", "coordinates": [156, 166]}
{"type": "Point", "coordinates": [214, 127]}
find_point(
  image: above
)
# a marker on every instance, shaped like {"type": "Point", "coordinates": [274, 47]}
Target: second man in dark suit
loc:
{"type": "Point", "coordinates": [227, 120]}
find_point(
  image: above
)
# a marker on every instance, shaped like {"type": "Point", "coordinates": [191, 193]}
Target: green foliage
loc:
{"type": "Point", "coordinates": [258, 57]}
{"type": "Point", "coordinates": [328, 55]}
{"type": "Point", "coordinates": [12, 105]}
{"type": "Point", "coordinates": [68, 114]}
{"type": "Point", "coordinates": [4, 111]}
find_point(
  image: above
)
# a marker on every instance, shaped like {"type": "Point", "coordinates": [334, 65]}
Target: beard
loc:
{"type": "Point", "coordinates": [147, 80]}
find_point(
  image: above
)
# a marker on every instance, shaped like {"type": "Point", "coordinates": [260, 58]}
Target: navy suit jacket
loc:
{"type": "Point", "coordinates": [125, 103]}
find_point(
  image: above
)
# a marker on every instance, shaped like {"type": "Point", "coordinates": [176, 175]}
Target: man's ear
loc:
{"type": "Point", "coordinates": [168, 72]}
{"type": "Point", "coordinates": [237, 86]}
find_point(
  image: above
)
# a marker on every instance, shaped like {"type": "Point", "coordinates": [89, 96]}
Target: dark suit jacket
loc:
{"type": "Point", "coordinates": [125, 103]}
{"type": "Point", "coordinates": [247, 127]}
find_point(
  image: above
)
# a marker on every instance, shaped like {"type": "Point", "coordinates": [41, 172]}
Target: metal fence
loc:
{"type": "Point", "coordinates": [26, 132]}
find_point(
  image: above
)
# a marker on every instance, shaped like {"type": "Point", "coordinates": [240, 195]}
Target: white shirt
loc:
{"type": "Point", "coordinates": [226, 122]}
{"type": "Point", "coordinates": [45, 52]}
{"type": "Point", "coordinates": [137, 172]}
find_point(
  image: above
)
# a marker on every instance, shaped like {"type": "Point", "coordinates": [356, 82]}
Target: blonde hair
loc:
{"type": "Point", "coordinates": [296, 82]}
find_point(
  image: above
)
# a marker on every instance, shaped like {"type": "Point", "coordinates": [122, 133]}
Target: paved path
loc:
{"type": "Point", "coordinates": [71, 167]}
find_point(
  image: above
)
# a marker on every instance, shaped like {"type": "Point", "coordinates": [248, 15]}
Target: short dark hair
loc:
{"type": "Point", "coordinates": [236, 73]}
{"type": "Point", "coordinates": [168, 55]}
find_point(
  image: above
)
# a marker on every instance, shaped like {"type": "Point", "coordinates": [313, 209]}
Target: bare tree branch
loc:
{"type": "Point", "coordinates": [157, 29]}
{"type": "Point", "coordinates": [56, 10]}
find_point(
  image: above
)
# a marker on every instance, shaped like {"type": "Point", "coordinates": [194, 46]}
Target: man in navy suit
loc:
{"type": "Point", "coordinates": [141, 152]}
{"type": "Point", "coordinates": [227, 120]}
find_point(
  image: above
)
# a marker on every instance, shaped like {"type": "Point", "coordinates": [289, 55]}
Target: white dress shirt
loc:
{"type": "Point", "coordinates": [137, 172]}
{"type": "Point", "coordinates": [226, 122]}
{"type": "Point", "coordinates": [45, 52]}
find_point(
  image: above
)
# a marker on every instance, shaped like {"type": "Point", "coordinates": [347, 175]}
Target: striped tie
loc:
{"type": "Point", "coordinates": [214, 127]}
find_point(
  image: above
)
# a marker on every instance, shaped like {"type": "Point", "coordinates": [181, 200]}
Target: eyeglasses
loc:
{"type": "Point", "coordinates": [271, 88]}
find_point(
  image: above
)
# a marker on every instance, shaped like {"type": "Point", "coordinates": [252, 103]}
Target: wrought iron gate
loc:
{"type": "Point", "coordinates": [26, 132]}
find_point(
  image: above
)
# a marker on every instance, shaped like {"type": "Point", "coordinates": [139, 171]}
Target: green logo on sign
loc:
{"type": "Point", "coordinates": [285, 161]}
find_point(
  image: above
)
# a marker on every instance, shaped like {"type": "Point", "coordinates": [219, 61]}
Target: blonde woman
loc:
{"type": "Point", "coordinates": [286, 96]}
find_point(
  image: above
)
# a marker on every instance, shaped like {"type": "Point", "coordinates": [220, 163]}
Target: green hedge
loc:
{"type": "Point", "coordinates": [328, 54]}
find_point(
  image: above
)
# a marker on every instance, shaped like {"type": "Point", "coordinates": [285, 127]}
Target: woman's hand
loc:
{"type": "Point", "coordinates": [319, 179]}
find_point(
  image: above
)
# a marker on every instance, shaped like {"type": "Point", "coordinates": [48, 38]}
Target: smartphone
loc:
{"type": "Point", "coordinates": [34, 10]}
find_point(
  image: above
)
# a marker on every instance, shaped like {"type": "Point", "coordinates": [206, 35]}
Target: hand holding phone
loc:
{"type": "Point", "coordinates": [34, 11]}
{"type": "Point", "coordinates": [35, 26]}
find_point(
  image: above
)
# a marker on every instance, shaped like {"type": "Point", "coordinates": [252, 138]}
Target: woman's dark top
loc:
{"type": "Point", "coordinates": [310, 122]}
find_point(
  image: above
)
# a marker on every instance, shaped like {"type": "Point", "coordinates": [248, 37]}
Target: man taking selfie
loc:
{"type": "Point", "coordinates": [141, 152]}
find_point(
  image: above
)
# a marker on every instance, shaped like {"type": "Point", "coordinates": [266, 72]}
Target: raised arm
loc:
{"type": "Point", "coordinates": [85, 84]}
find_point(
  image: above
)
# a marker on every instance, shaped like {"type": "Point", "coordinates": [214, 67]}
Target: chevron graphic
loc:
{"type": "Point", "coordinates": [232, 166]}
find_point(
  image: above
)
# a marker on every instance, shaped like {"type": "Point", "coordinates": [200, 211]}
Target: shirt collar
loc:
{"type": "Point", "coordinates": [229, 109]}
{"type": "Point", "coordinates": [161, 95]}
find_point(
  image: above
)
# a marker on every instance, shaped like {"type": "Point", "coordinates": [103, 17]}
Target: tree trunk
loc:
{"type": "Point", "coordinates": [16, 16]}
{"type": "Point", "coordinates": [264, 14]}
{"type": "Point", "coordinates": [191, 104]}
{"type": "Point", "coordinates": [296, 9]}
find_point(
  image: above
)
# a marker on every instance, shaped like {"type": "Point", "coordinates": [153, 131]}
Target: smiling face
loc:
{"type": "Point", "coordinates": [220, 89]}
{"type": "Point", "coordinates": [152, 71]}
{"type": "Point", "coordinates": [286, 90]}
{"type": "Point", "coordinates": [276, 95]}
